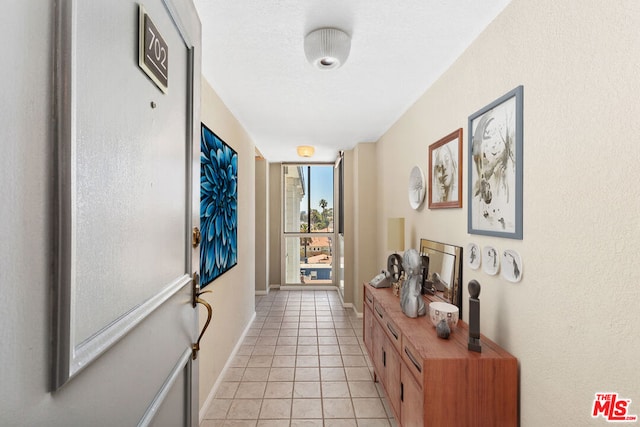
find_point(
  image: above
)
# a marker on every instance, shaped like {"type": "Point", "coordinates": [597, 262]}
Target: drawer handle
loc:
{"type": "Point", "coordinates": [369, 298]}
{"type": "Point", "coordinates": [413, 360]}
{"type": "Point", "coordinates": [379, 314]}
{"type": "Point", "coordinates": [394, 333]}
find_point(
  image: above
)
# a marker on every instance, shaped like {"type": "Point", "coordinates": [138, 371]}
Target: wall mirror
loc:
{"type": "Point", "coordinates": [444, 271]}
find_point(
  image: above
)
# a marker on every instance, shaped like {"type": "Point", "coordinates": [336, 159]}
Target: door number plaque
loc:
{"type": "Point", "coordinates": [153, 52]}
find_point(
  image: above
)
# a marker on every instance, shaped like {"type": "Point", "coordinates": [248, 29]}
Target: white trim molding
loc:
{"type": "Point", "coordinates": [209, 400]}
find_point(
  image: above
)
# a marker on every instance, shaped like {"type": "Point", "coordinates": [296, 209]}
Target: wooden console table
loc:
{"type": "Point", "coordinates": [437, 382]}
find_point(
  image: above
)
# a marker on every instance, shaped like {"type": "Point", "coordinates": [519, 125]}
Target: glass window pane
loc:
{"type": "Point", "coordinates": [295, 197]}
{"type": "Point", "coordinates": [308, 198]}
{"type": "Point", "coordinates": [321, 195]}
{"type": "Point", "coordinates": [309, 260]}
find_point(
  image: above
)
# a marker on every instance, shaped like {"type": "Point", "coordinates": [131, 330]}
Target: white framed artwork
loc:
{"type": "Point", "coordinates": [490, 260]}
{"type": "Point", "coordinates": [511, 266]}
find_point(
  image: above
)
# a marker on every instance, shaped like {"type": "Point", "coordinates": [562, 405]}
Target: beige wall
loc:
{"type": "Point", "coordinates": [366, 211]}
{"type": "Point", "coordinates": [349, 244]}
{"type": "Point", "coordinates": [262, 226]}
{"type": "Point", "coordinates": [572, 321]}
{"type": "Point", "coordinates": [275, 254]}
{"type": "Point", "coordinates": [233, 297]}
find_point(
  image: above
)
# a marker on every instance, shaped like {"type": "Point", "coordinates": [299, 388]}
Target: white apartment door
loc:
{"type": "Point", "coordinates": [127, 197]}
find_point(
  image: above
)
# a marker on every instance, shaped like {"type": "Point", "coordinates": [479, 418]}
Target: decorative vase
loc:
{"type": "Point", "coordinates": [411, 300]}
{"type": "Point", "coordinates": [396, 289]}
{"type": "Point", "coordinates": [442, 329]}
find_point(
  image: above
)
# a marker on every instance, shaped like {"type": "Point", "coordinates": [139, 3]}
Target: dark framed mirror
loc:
{"type": "Point", "coordinates": [442, 275]}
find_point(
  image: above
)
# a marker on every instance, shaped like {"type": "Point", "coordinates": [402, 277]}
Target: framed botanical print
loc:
{"type": "Point", "coordinates": [495, 168]}
{"type": "Point", "coordinates": [445, 172]}
{"type": "Point", "coordinates": [218, 206]}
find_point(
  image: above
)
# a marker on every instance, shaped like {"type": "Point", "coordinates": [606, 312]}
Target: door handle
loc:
{"type": "Point", "coordinates": [197, 300]}
{"type": "Point", "coordinates": [413, 359]}
{"type": "Point", "coordinates": [379, 314]}
{"type": "Point", "coordinates": [394, 333]}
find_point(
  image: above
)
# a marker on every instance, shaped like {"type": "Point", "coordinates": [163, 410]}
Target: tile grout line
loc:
{"type": "Point", "coordinates": [273, 315]}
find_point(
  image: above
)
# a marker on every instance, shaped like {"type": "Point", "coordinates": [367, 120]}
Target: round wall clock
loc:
{"type": "Point", "coordinates": [416, 187]}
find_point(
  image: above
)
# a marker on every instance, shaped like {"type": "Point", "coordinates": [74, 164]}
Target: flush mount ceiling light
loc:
{"type": "Point", "coordinates": [305, 150]}
{"type": "Point", "coordinates": [327, 48]}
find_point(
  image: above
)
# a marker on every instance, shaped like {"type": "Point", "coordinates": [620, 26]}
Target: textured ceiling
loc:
{"type": "Point", "coordinates": [253, 57]}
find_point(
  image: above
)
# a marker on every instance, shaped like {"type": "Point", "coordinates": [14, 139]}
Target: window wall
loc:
{"type": "Point", "coordinates": [308, 224]}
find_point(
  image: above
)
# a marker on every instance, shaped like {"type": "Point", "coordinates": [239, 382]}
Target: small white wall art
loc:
{"type": "Point", "coordinates": [490, 260]}
{"type": "Point", "coordinates": [416, 187]}
{"type": "Point", "coordinates": [511, 266]}
{"type": "Point", "coordinates": [473, 256]}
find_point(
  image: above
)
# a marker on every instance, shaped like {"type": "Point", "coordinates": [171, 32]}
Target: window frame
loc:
{"type": "Point", "coordinates": [284, 235]}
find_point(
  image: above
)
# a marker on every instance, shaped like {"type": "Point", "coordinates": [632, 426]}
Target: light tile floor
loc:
{"type": "Point", "coordinates": [302, 363]}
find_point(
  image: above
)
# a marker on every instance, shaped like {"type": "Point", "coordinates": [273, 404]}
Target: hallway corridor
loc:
{"type": "Point", "coordinates": [302, 363]}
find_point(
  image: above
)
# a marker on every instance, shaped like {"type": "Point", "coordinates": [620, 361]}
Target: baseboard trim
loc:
{"type": "Point", "coordinates": [207, 403]}
{"type": "Point", "coordinates": [308, 288]}
{"type": "Point", "coordinates": [349, 305]}
{"type": "Point", "coordinates": [262, 293]}
{"type": "Point", "coordinates": [358, 314]}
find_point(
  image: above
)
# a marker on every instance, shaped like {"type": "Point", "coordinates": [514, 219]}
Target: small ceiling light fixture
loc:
{"type": "Point", "coordinates": [327, 48]}
{"type": "Point", "coordinates": [305, 150]}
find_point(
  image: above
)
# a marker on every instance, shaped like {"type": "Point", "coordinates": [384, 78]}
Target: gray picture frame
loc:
{"type": "Point", "coordinates": [496, 167]}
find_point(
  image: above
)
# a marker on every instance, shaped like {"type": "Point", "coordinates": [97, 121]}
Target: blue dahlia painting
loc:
{"type": "Point", "coordinates": [218, 206]}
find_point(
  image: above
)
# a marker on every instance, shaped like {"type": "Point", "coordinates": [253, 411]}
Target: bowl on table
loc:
{"type": "Point", "coordinates": [443, 310]}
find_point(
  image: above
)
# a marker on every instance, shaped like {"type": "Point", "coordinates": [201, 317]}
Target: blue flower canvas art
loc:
{"type": "Point", "coordinates": [218, 206]}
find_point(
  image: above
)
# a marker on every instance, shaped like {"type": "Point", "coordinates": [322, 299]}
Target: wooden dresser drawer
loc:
{"type": "Point", "coordinates": [393, 332]}
{"type": "Point", "coordinates": [368, 297]}
{"type": "Point", "coordinates": [412, 360]}
{"type": "Point", "coordinates": [379, 312]}
{"type": "Point", "coordinates": [388, 325]}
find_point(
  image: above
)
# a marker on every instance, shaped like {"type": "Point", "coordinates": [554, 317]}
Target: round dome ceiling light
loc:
{"type": "Point", "coordinates": [305, 150]}
{"type": "Point", "coordinates": [327, 48]}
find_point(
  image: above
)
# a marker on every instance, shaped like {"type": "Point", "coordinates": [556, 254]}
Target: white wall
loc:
{"type": "Point", "coordinates": [572, 321]}
{"type": "Point", "coordinates": [233, 297]}
{"type": "Point", "coordinates": [25, 170]}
